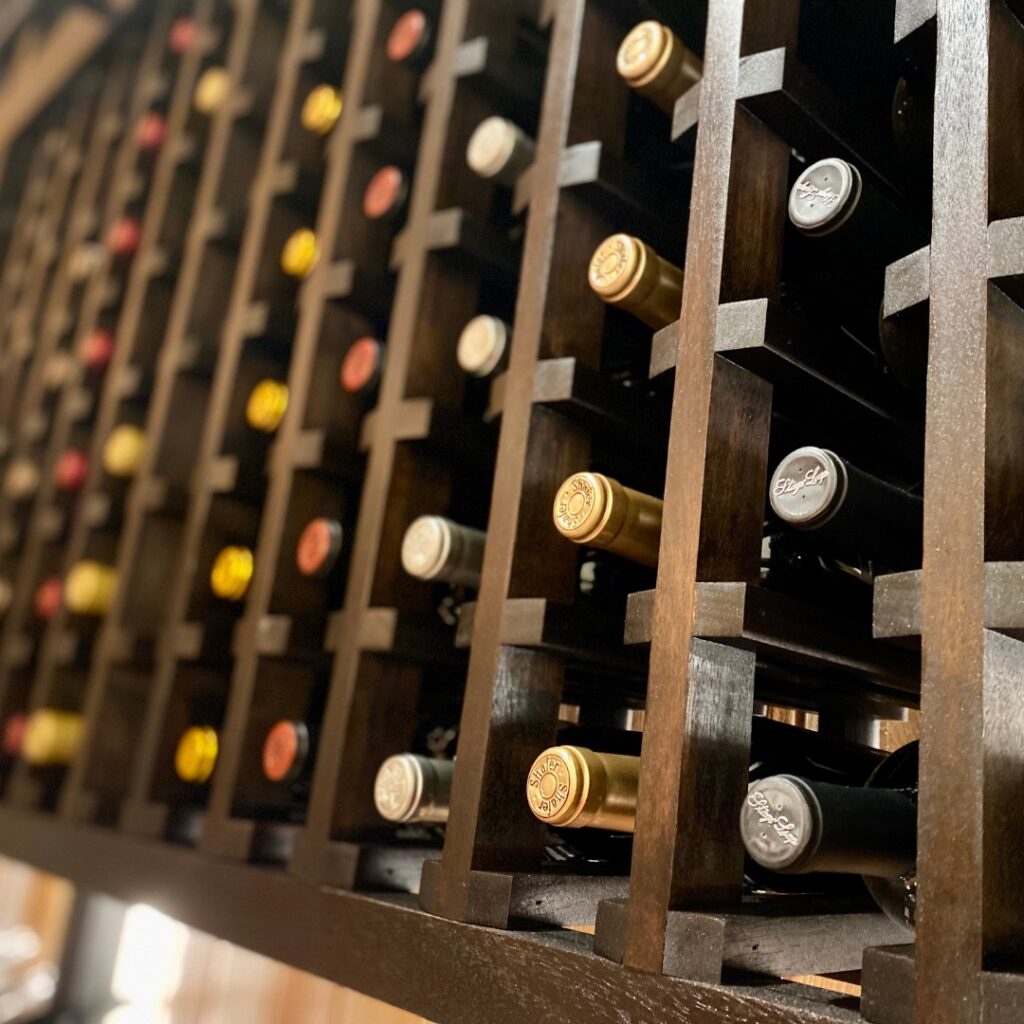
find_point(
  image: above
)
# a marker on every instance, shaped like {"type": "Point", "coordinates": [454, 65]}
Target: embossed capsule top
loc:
{"type": "Point", "coordinates": [628, 273]}
{"type": "Point", "coordinates": [824, 196]}
{"type": "Point", "coordinates": [807, 487]}
{"type": "Point", "coordinates": [573, 787]}
{"type": "Point", "coordinates": [653, 60]}
{"type": "Point", "coordinates": [413, 788]}
{"type": "Point", "coordinates": [435, 548]}
{"type": "Point", "coordinates": [593, 509]}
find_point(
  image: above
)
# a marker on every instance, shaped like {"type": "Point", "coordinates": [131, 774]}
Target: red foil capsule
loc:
{"type": "Point", "coordinates": [71, 469]}
{"type": "Point", "coordinates": [151, 131]}
{"type": "Point", "coordinates": [123, 236]}
{"type": "Point", "coordinates": [319, 546]}
{"type": "Point", "coordinates": [183, 35]}
{"type": "Point", "coordinates": [385, 194]}
{"type": "Point", "coordinates": [14, 733]}
{"type": "Point", "coordinates": [361, 366]}
{"type": "Point", "coordinates": [48, 597]}
{"type": "Point", "coordinates": [285, 750]}
{"type": "Point", "coordinates": [409, 38]}
{"type": "Point", "coordinates": [96, 349]}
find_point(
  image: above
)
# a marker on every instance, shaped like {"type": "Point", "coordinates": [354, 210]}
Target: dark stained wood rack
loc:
{"type": "Point", "coordinates": [486, 925]}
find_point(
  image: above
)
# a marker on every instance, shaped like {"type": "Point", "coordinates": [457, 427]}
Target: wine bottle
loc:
{"type": "Point", "coordinates": [319, 547]}
{"type": "Point", "coordinates": [411, 788]}
{"type": "Point", "coordinates": [21, 480]}
{"type": "Point", "coordinates": [211, 90]}
{"type": "Point", "coordinates": [795, 825]}
{"type": "Point", "coordinates": [410, 40]}
{"type": "Point", "coordinates": [14, 735]}
{"type": "Point", "coordinates": [321, 110]}
{"type": "Point", "coordinates": [123, 237]}
{"type": "Point", "coordinates": [653, 60]}
{"type": "Point", "coordinates": [57, 371]}
{"type": "Point", "coordinates": [70, 470]}
{"type": "Point", "coordinates": [48, 598]}
{"type": "Point", "coordinates": [500, 150]}
{"type": "Point", "coordinates": [597, 511]}
{"type": "Point", "coordinates": [386, 194]}
{"type": "Point", "coordinates": [301, 254]}
{"type": "Point", "coordinates": [183, 35]}
{"type": "Point", "coordinates": [361, 366]}
{"type": "Point", "coordinates": [571, 786]}
{"type": "Point", "coordinates": [912, 118]}
{"type": "Point", "coordinates": [853, 232]}
{"type": "Point", "coordinates": [51, 738]}
{"type": "Point", "coordinates": [286, 751]}
{"type": "Point", "coordinates": [814, 489]}
{"type": "Point", "coordinates": [436, 549]}
{"type": "Point", "coordinates": [266, 406]}
{"type": "Point", "coordinates": [627, 273]}
{"type": "Point", "coordinates": [196, 754]}
{"type": "Point", "coordinates": [482, 349]}
{"type": "Point", "coordinates": [95, 350]}
{"type": "Point", "coordinates": [89, 588]}
{"type": "Point", "coordinates": [232, 572]}
{"type": "Point", "coordinates": [150, 131]}
{"type": "Point", "coordinates": [124, 451]}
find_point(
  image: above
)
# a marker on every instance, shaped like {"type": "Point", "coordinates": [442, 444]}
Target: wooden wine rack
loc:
{"type": "Point", "coordinates": [486, 927]}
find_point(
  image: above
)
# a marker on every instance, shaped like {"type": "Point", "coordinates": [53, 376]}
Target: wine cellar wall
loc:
{"type": "Point", "coordinates": [512, 506]}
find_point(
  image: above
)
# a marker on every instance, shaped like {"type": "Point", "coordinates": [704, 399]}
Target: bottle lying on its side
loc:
{"type": "Point", "coordinates": [793, 825]}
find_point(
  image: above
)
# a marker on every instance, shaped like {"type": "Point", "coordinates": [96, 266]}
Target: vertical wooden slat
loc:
{"type": "Point", "coordinates": [950, 930]}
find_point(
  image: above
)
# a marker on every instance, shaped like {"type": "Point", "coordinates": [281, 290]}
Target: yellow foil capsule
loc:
{"type": "Point", "coordinates": [231, 573]}
{"type": "Point", "coordinates": [300, 254]}
{"type": "Point", "coordinates": [574, 787]}
{"type": "Point", "coordinates": [626, 272]}
{"type": "Point", "coordinates": [321, 109]}
{"type": "Point", "coordinates": [51, 737]}
{"type": "Point", "coordinates": [124, 450]}
{"type": "Point", "coordinates": [212, 90]}
{"type": "Point", "coordinates": [196, 756]}
{"type": "Point", "coordinates": [267, 404]}
{"type": "Point", "coordinates": [653, 60]}
{"type": "Point", "coordinates": [89, 588]}
{"type": "Point", "coordinates": [595, 510]}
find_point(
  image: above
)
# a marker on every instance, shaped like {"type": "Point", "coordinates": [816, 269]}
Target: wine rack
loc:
{"type": "Point", "coordinates": [238, 247]}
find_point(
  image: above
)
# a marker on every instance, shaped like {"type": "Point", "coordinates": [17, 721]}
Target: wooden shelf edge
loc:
{"type": "Point", "coordinates": [384, 946]}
